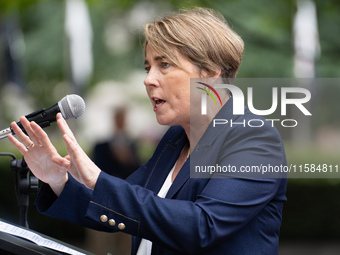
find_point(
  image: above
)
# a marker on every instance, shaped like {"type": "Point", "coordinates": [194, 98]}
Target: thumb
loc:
{"type": "Point", "coordinates": [72, 146]}
{"type": "Point", "coordinates": [62, 162]}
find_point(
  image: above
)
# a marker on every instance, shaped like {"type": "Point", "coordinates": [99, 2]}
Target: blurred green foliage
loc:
{"type": "Point", "coordinates": [266, 28]}
{"type": "Point", "coordinates": [8, 6]}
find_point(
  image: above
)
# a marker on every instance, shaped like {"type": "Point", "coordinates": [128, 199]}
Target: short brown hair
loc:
{"type": "Point", "coordinates": [202, 36]}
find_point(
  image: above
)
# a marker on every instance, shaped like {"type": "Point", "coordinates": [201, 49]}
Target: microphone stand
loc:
{"type": "Point", "coordinates": [25, 184]}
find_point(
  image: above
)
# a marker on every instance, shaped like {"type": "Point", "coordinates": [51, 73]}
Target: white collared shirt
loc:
{"type": "Point", "coordinates": [146, 245]}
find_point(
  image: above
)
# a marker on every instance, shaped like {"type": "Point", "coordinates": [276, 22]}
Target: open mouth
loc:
{"type": "Point", "coordinates": [158, 102]}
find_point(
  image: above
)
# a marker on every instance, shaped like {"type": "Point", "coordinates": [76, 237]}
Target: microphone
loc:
{"type": "Point", "coordinates": [71, 107]}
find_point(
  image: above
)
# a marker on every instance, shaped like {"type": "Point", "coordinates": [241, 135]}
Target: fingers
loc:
{"type": "Point", "coordinates": [73, 150]}
{"type": "Point", "coordinates": [76, 155]}
{"type": "Point", "coordinates": [26, 141]}
{"type": "Point", "coordinates": [27, 125]}
{"type": "Point", "coordinates": [18, 145]}
{"type": "Point", "coordinates": [72, 147]}
{"type": "Point", "coordinates": [64, 128]}
{"type": "Point", "coordinates": [83, 168]}
{"type": "Point", "coordinates": [36, 136]}
{"type": "Point", "coordinates": [40, 134]}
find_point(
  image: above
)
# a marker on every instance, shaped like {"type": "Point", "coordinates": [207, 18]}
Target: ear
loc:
{"type": "Point", "coordinates": [217, 74]}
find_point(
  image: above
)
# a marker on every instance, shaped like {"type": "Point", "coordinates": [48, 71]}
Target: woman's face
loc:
{"type": "Point", "coordinates": [168, 88]}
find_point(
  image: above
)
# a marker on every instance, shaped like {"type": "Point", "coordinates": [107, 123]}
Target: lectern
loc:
{"type": "Point", "coordinates": [13, 244]}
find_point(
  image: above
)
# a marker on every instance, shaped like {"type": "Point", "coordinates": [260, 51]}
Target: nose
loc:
{"type": "Point", "coordinates": [151, 79]}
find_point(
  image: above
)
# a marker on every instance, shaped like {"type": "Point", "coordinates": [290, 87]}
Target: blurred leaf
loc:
{"type": "Point", "coordinates": [8, 6]}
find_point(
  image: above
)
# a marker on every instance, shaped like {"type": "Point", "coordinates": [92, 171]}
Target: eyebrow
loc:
{"type": "Point", "coordinates": [157, 58]}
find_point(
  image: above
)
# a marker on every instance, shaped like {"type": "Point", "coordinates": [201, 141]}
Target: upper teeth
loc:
{"type": "Point", "coordinates": [158, 104]}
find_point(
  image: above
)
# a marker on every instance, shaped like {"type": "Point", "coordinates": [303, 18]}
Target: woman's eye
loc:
{"type": "Point", "coordinates": [165, 64]}
{"type": "Point", "coordinates": [147, 69]}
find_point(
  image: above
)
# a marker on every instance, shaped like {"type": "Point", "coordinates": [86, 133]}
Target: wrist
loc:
{"type": "Point", "coordinates": [93, 182]}
{"type": "Point", "coordinates": [58, 187]}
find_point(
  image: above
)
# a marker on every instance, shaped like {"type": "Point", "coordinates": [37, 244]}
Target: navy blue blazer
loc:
{"type": "Point", "coordinates": [199, 215]}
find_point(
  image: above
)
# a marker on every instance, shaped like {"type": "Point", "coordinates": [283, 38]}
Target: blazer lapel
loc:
{"type": "Point", "coordinates": [160, 171]}
{"type": "Point", "coordinates": [166, 160]}
{"type": "Point", "coordinates": [207, 139]}
{"type": "Point", "coordinates": [182, 177]}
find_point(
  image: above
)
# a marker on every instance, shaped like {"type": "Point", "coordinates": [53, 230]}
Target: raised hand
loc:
{"type": "Point", "coordinates": [38, 152]}
{"type": "Point", "coordinates": [77, 162]}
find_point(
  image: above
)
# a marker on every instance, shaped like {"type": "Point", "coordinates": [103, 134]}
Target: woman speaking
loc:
{"type": "Point", "coordinates": [165, 210]}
